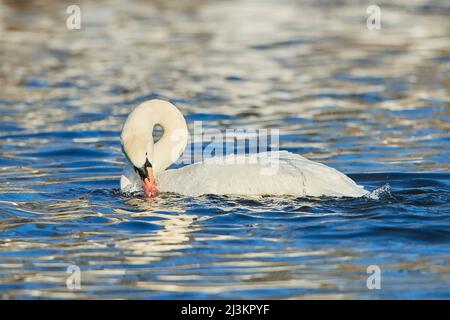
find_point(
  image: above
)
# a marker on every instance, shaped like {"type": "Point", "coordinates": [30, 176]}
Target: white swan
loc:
{"type": "Point", "coordinates": [294, 174]}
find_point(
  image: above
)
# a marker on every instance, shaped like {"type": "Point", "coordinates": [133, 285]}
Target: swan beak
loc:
{"type": "Point", "coordinates": [148, 181]}
{"type": "Point", "coordinates": [149, 184]}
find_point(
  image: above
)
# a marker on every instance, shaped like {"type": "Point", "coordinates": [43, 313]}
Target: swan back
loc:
{"type": "Point", "coordinates": [295, 175]}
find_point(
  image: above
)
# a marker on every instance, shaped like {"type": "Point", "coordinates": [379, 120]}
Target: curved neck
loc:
{"type": "Point", "coordinates": [171, 145]}
{"type": "Point", "coordinates": [174, 139]}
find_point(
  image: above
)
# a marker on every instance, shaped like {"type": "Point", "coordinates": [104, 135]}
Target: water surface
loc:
{"type": "Point", "coordinates": [373, 104]}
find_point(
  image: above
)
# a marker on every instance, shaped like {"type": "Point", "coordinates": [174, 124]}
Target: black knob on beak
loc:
{"type": "Point", "coordinates": [143, 172]}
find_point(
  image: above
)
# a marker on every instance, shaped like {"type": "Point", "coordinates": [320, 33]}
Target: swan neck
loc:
{"type": "Point", "coordinates": [137, 135]}
{"type": "Point", "coordinates": [171, 145]}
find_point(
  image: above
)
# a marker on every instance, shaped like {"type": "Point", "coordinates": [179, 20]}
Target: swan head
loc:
{"type": "Point", "coordinates": [137, 146]}
{"type": "Point", "coordinates": [138, 154]}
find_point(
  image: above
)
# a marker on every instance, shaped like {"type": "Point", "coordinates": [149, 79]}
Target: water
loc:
{"type": "Point", "coordinates": [373, 104]}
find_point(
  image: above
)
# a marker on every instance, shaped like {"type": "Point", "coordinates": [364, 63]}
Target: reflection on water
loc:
{"type": "Point", "coordinates": [374, 104]}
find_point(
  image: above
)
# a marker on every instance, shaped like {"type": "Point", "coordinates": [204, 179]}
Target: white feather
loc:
{"type": "Point", "coordinates": [295, 175]}
{"type": "Point", "coordinates": [271, 173]}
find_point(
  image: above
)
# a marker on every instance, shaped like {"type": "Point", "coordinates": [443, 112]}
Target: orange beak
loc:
{"type": "Point", "coordinates": [149, 185]}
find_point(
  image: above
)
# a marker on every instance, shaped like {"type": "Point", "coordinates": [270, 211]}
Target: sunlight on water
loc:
{"type": "Point", "coordinates": [373, 104]}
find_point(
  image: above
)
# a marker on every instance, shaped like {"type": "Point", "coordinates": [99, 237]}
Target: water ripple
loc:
{"type": "Point", "coordinates": [374, 105]}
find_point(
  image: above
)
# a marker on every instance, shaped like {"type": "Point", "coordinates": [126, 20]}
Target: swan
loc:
{"type": "Point", "coordinates": [228, 175]}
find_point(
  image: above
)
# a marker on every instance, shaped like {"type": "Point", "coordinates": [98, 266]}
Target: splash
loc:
{"type": "Point", "coordinates": [380, 193]}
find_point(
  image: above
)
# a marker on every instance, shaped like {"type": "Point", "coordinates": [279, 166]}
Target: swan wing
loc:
{"type": "Point", "coordinates": [273, 173]}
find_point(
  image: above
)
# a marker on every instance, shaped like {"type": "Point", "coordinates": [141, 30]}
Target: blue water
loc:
{"type": "Point", "coordinates": [372, 104]}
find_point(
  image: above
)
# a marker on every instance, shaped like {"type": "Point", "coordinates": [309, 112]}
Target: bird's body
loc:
{"type": "Point", "coordinates": [295, 175]}
{"type": "Point", "coordinates": [272, 173]}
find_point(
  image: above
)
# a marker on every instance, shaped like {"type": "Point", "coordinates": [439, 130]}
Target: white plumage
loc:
{"type": "Point", "coordinates": [296, 176]}
{"type": "Point", "coordinates": [271, 173]}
